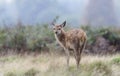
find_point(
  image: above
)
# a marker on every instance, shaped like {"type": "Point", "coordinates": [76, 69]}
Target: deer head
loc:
{"type": "Point", "coordinates": [58, 28]}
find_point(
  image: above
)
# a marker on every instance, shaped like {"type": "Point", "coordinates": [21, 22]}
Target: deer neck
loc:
{"type": "Point", "coordinates": [61, 37]}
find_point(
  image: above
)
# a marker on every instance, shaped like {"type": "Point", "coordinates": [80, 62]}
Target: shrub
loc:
{"type": "Point", "coordinates": [116, 60]}
{"type": "Point", "coordinates": [38, 37]}
{"type": "Point", "coordinates": [31, 72]}
{"type": "Point", "coordinates": [100, 67]}
{"type": "Point", "coordinates": [10, 74]}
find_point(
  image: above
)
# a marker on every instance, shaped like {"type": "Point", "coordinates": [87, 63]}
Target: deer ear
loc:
{"type": "Point", "coordinates": [63, 24]}
{"type": "Point", "coordinates": [53, 24]}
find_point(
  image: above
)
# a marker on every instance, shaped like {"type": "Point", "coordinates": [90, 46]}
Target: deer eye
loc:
{"type": "Point", "coordinates": [58, 28]}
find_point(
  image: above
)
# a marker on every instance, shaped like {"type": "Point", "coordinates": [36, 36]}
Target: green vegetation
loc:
{"type": "Point", "coordinates": [116, 60]}
{"type": "Point", "coordinates": [102, 40]}
{"type": "Point", "coordinates": [40, 38]}
{"type": "Point", "coordinates": [27, 38]}
{"type": "Point", "coordinates": [31, 72]}
{"type": "Point", "coordinates": [100, 67]}
{"type": "Point", "coordinates": [110, 33]}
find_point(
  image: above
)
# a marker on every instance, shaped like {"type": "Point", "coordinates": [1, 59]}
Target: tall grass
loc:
{"type": "Point", "coordinates": [55, 65]}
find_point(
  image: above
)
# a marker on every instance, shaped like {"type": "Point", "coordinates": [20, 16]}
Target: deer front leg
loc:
{"type": "Point", "coordinates": [67, 56]}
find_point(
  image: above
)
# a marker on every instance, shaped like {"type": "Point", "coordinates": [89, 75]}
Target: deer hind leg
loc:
{"type": "Point", "coordinates": [79, 52]}
{"type": "Point", "coordinates": [77, 57]}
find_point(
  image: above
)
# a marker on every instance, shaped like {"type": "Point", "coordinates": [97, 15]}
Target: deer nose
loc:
{"type": "Point", "coordinates": [56, 32]}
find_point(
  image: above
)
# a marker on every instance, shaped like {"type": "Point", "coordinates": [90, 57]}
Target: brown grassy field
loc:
{"type": "Point", "coordinates": [55, 65]}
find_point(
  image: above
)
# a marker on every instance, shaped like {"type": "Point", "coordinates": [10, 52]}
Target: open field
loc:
{"type": "Point", "coordinates": [55, 65]}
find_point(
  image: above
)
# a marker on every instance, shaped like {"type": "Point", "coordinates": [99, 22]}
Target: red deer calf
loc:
{"type": "Point", "coordinates": [74, 39]}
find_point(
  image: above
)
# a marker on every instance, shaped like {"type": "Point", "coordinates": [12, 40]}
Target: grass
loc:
{"type": "Point", "coordinates": [55, 65]}
{"type": "Point", "coordinates": [116, 60]}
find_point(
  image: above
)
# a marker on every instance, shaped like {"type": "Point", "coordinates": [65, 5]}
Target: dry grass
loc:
{"type": "Point", "coordinates": [54, 65]}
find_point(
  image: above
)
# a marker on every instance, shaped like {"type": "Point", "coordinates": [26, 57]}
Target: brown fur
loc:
{"type": "Point", "coordinates": [74, 39]}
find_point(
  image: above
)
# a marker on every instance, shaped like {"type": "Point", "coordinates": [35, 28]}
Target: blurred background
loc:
{"type": "Point", "coordinates": [78, 12]}
{"type": "Point", "coordinates": [26, 24]}
{"type": "Point", "coordinates": [27, 40]}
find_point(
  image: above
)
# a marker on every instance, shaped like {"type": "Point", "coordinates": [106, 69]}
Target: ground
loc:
{"type": "Point", "coordinates": [55, 65]}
